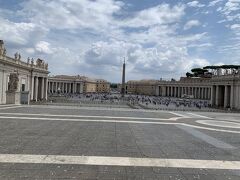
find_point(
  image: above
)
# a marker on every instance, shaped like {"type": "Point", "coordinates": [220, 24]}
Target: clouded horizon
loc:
{"type": "Point", "coordinates": [160, 39]}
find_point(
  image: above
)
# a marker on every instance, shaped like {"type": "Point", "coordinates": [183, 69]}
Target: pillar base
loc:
{"type": "Point", "coordinates": [25, 98]}
{"type": "Point", "coordinates": [12, 97]}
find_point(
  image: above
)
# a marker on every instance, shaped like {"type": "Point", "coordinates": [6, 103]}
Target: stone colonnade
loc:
{"type": "Point", "coordinates": [179, 91]}
{"type": "Point", "coordinates": [39, 86]}
{"type": "Point", "coordinates": [65, 87]}
{"type": "Point", "coordinates": [222, 96]}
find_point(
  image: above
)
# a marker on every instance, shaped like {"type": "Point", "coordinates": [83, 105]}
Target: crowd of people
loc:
{"type": "Point", "coordinates": [155, 102]}
{"type": "Point", "coordinates": [170, 102]}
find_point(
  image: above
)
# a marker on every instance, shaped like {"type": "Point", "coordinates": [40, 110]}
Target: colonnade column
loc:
{"type": "Point", "coordinates": [206, 94]}
{"type": "Point", "coordinates": [56, 87]}
{"type": "Point", "coordinates": [42, 88]}
{"type": "Point", "coordinates": [232, 97]}
{"type": "Point", "coordinates": [209, 93]}
{"type": "Point", "coordinates": [217, 95]}
{"type": "Point", "coordinates": [163, 91]}
{"type": "Point", "coordinates": [32, 88]}
{"type": "Point", "coordinates": [70, 87]}
{"type": "Point", "coordinates": [194, 92]}
{"type": "Point", "coordinates": [199, 93]}
{"type": "Point", "coordinates": [226, 97]}
{"type": "Point", "coordinates": [46, 88]}
{"type": "Point", "coordinates": [52, 86]}
{"type": "Point", "coordinates": [213, 95]}
{"type": "Point", "coordinates": [74, 88]}
{"type": "Point", "coordinates": [36, 89]}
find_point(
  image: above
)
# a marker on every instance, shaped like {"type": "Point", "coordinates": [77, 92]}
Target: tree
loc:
{"type": "Point", "coordinates": [198, 72]}
{"type": "Point", "coordinates": [188, 74]}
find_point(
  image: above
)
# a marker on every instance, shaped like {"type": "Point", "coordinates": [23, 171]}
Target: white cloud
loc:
{"type": "Point", "coordinates": [70, 14]}
{"type": "Point", "coordinates": [161, 14]}
{"type": "Point", "coordinates": [30, 50]}
{"type": "Point", "coordinates": [108, 53]}
{"type": "Point", "coordinates": [43, 47]}
{"type": "Point", "coordinates": [215, 2]}
{"type": "Point", "coordinates": [191, 23]}
{"type": "Point", "coordinates": [231, 6]}
{"type": "Point", "coordinates": [85, 37]}
{"type": "Point", "coordinates": [236, 30]}
{"type": "Point", "coordinates": [195, 4]}
{"type": "Point", "coordinates": [235, 26]}
{"type": "Point", "coordinates": [18, 33]}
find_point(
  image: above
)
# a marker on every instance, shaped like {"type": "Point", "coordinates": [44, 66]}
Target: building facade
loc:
{"type": "Point", "coordinates": [144, 87]}
{"type": "Point", "coordinates": [33, 76]}
{"type": "Point", "coordinates": [102, 86]}
{"type": "Point", "coordinates": [76, 84]}
{"type": "Point", "coordinates": [222, 91]}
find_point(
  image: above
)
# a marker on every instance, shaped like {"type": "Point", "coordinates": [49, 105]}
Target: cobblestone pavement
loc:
{"type": "Point", "coordinates": [62, 142]}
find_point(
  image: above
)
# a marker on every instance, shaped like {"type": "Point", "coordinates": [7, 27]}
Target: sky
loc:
{"type": "Point", "coordinates": [158, 38]}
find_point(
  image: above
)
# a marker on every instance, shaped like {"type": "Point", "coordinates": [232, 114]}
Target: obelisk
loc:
{"type": "Point", "coordinates": [123, 79]}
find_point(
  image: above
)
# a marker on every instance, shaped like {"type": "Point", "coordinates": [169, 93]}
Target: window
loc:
{"type": "Point", "coordinates": [23, 87]}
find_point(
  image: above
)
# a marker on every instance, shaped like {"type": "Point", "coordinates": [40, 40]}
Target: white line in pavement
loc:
{"type": "Point", "coordinates": [11, 107]}
{"type": "Point", "coordinates": [101, 117]}
{"type": "Point", "coordinates": [97, 108]}
{"type": "Point", "coordinates": [208, 139]}
{"type": "Point", "coordinates": [178, 114]}
{"type": "Point", "coordinates": [83, 120]}
{"type": "Point", "coordinates": [221, 123]}
{"type": "Point", "coordinates": [6, 105]}
{"type": "Point", "coordinates": [119, 161]}
{"type": "Point", "coordinates": [86, 108]}
{"type": "Point", "coordinates": [117, 121]}
{"type": "Point", "coordinates": [210, 129]}
{"type": "Point", "coordinates": [197, 115]}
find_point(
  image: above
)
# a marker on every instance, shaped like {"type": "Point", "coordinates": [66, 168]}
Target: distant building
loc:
{"type": "Point", "coordinates": [77, 84]}
{"type": "Point", "coordinates": [33, 75]}
{"type": "Point", "coordinates": [144, 87]}
{"type": "Point", "coordinates": [103, 86]}
{"type": "Point", "coordinates": [221, 90]}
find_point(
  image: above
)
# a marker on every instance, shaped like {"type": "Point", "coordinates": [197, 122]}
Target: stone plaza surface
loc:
{"type": "Point", "coordinates": [63, 142]}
